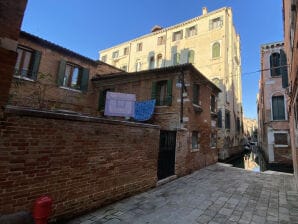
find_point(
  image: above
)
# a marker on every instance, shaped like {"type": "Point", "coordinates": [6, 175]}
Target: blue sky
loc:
{"type": "Point", "coordinates": [92, 25]}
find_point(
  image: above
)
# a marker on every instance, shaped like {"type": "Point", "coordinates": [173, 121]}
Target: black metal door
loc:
{"type": "Point", "coordinates": [166, 155]}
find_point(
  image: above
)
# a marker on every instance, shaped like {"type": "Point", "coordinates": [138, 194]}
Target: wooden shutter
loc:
{"type": "Point", "coordinates": [195, 94]}
{"type": "Point", "coordinates": [61, 73]}
{"type": "Point", "coordinates": [154, 90]}
{"type": "Point", "coordinates": [169, 92]}
{"type": "Point", "coordinates": [85, 79]}
{"type": "Point", "coordinates": [284, 69]}
{"type": "Point", "coordinates": [35, 64]}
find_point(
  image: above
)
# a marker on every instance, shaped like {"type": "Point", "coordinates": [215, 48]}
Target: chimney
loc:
{"type": "Point", "coordinates": [204, 11]}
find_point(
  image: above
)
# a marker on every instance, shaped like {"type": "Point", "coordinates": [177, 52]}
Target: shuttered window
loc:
{"type": "Point", "coordinates": [275, 64]}
{"type": "Point", "coordinates": [284, 69]}
{"type": "Point", "coordinates": [278, 108]}
{"type": "Point", "coordinates": [191, 56]}
{"type": "Point", "coordinates": [27, 63]}
{"type": "Point", "coordinates": [162, 92]}
{"type": "Point", "coordinates": [219, 119]}
{"type": "Point", "coordinates": [176, 59]}
{"type": "Point", "coordinates": [216, 50]}
{"type": "Point", "coordinates": [196, 94]}
{"type": "Point", "coordinates": [227, 120]}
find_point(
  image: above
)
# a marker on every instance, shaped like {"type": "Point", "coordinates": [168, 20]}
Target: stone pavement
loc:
{"type": "Point", "coordinates": [216, 194]}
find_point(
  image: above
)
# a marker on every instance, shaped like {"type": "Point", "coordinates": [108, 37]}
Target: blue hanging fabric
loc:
{"type": "Point", "coordinates": [144, 110]}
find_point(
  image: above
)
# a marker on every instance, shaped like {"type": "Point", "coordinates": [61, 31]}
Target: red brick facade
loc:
{"type": "Point", "coordinates": [81, 162]}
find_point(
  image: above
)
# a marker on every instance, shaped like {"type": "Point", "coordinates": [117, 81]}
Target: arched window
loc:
{"type": "Point", "coordinates": [159, 61]}
{"type": "Point", "coordinates": [191, 56]}
{"type": "Point", "coordinates": [216, 50]}
{"type": "Point", "coordinates": [278, 108]}
{"type": "Point", "coordinates": [176, 59]}
{"type": "Point", "coordinates": [151, 62]}
{"type": "Point", "coordinates": [275, 64]}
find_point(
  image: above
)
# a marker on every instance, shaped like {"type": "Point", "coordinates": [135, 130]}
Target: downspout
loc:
{"type": "Point", "coordinates": [181, 79]}
{"type": "Point", "coordinates": [128, 64]}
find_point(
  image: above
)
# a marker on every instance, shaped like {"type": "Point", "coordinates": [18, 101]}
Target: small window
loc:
{"type": "Point", "coordinates": [139, 46]}
{"type": "Point", "coordinates": [176, 59]}
{"type": "Point", "coordinates": [195, 140]}
{"type": "Point", "coordinates": [115, 54]}
{"type": "Point", "coordinates": [104, 58]}
{"type": "Point", "coordinates": [151, 62]}
{"type": "Point", "coordinates": [281, 139]}
{"type": "Point", "coordinates": [191, 31]}
{"type": "Point", "coordinates": [177, 35]}
{"type": "Point", "coordinates": [126, 51]}
{"type": "Point", "coordinates": [216, 23]}
{"type": "Point", "coordinates": [161, 40]}
{"type": "Point", "coordinates": [196, 94]}
{"type": "Point", "coordinates": [159, 61]}
{"type": "Point", "coordinates": [278, 108]}
{"type": "Point", "coordinates": [216, 50]}
{"type": "Point", "coordinates": [227, 120]}
{"type": "Point", "coordinates": [213, 104]}
{"type": "Point", "coordinates": [27, 63]}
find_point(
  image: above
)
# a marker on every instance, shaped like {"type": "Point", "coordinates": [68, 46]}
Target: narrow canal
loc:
{"type": "Point", "coordinates": [254, 160]}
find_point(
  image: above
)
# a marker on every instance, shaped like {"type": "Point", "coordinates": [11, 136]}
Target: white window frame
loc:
{"type": "Point", "coordinates": [281, 132]}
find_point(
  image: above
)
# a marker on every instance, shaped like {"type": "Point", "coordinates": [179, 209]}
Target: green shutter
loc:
{"type": "Point", "coordinates": [195, 94]}
{"type": "Point", "coordinates": [101, 100]}
{"type": "Point", "coordinates": [35, 64]}
{"type": "Point", "coordinates": [284, 69]}
{"type": "Point", "coordinates": [154, 90]}
{"type": "Point", "coordinates": [169, 92]}
{"type": "Point", "coordinates": [85, 79]}
{"type": "Point", "coordinates": [61, 73]}
{"type": "Point", "coordinates": [191, 56]}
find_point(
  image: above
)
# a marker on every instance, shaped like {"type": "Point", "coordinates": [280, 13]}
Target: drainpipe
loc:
{"type": "Point", "coordinates": [181, 80]}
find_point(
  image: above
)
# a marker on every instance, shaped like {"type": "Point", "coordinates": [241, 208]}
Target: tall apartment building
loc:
{"type": "Point", "coordinates": [274, 133]}
{"type": "Point", "coordinates": [211, 44]}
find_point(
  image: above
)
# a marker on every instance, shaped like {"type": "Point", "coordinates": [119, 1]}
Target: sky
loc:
{"type": "Point", "coordinates": [88, 26]}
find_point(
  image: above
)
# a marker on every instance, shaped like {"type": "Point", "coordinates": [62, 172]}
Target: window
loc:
{"type": "Point", "coordinates": [227, 120]}
{"type": "Point", "coordinates": [195, 140]}
{"type": "Point", "coordinates": [212, 104]}
{"type": "Point", "coordinates": [27, 63]}
{"type": "Point", "coordinates": [162, 92]}
{"type": "Point", "coordinates": [216, 50]}
{"type": "Point", "coordinates": [275, 64]}
{"type": "Point", "coordinates": [139, 46]}
{"type": "Point", "coordinates": [284, 69]}
{"type": "Point", "coordinates": [161, 40]}
{"type": "Point", "coordinates": [278, 108]}
{"type": "Point", "coordinates": [238, 125]}
{"type": "Point", "coordinates": [176, 59]}
{"type": "Point", "coordinates": [104, 58]}
{"type": "Point", "coordinates": [216, 23]}
{"type": "Point", "coordinates": [177, 35]}
{"type": "Point", "coordinates": [159, 61]}
{"type": "Point", "coordinates": [191, 56]}
{"type": "Point", "coordinates": [126, 51]}
{"type": "Point", "coordinates": [115, 54]}
{"type": "Point", "coordinates": [196, 94]}
{"type": "Point", "coordinates": [213, 140]}
{"type": "Point", "coordinates": [138, 65]}
{"type": "Point", "coordinates": [151, 62]}
{"type": "Point", "coordinates": [191, 31]}
{"type": "Point", "coordinates": [73, 76]}
{"type": "Point", "coordinates": [219, 119]}
{"type": "Point", "coordinates": [281, 139]}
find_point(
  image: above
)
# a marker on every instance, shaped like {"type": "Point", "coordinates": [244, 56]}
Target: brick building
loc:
{"type": "Point", "coordinates": [48, 76]}
{"type": "Point", "coordinates": [187, 116]}
{"type": "Point", "coordinates": [273, 121]}
{"type": "Point", "coordinates": [290, 21]}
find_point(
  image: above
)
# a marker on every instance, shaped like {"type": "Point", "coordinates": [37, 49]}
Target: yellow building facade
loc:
{"type": "Point", "coordinates": [211, 44]}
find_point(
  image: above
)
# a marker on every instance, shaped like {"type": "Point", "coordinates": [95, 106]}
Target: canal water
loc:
{"type": "Point", "coordinates": [254, 160]}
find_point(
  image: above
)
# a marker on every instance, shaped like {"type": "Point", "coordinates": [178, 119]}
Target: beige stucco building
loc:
{"type": "Point", "coordinates": [211, 44]}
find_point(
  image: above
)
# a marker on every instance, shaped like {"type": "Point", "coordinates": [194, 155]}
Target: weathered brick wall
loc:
{"type": "Point", "coordinates": [44, 93]}
{"type": "Point", "coordinates": [81, 162]}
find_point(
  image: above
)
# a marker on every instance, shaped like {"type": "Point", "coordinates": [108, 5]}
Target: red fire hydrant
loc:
{"type": "Point", "coordinates": [42, 209]}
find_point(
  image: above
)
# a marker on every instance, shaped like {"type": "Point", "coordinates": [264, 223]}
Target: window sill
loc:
{"type": "Point", "coordinates": [281, 146]}
{"type": "Point", "coordinates": [70, 89]}
{"type": "Point", "coordinates": [195, 150]}
{"type": "Point", "coordinates": [24, 78]}
{"type": "Point", "coordinates": [279, 120]}
{"type": "Point", "coordinates": [162, 106]}
{"type": "Point", "coordinates": [197, 108]}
